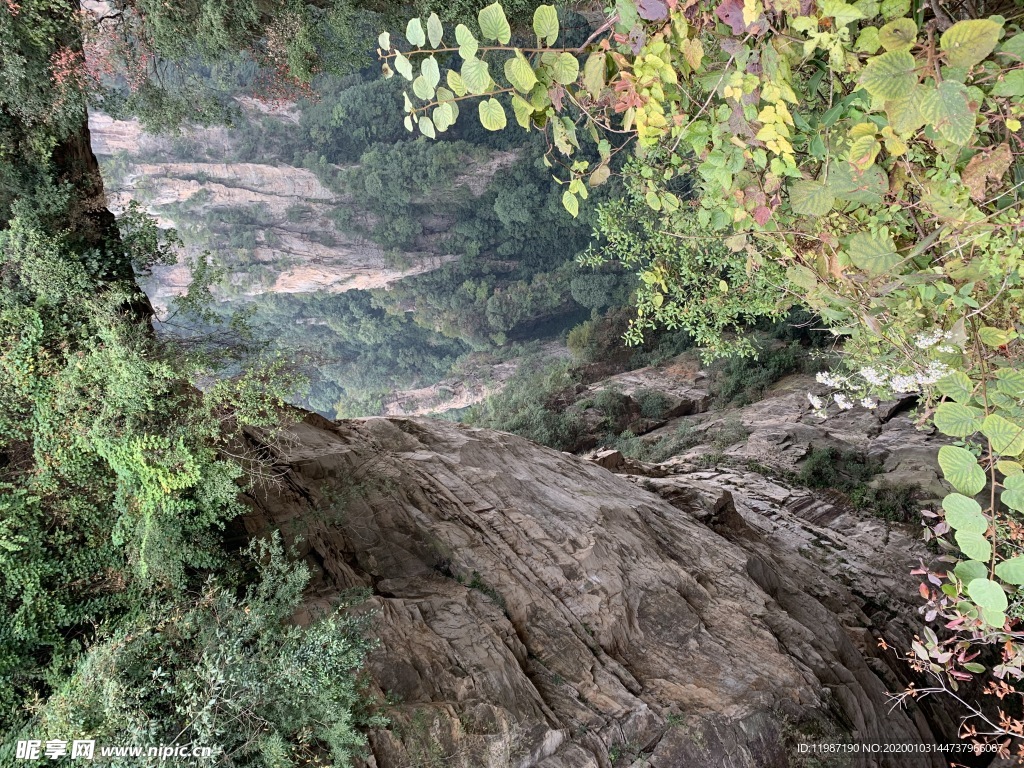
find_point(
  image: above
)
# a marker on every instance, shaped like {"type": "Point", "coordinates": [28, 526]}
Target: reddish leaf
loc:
{"type": "Point", "coordinates": [762, 214]}
{"type": "Point", "coordinates": [925, 592]}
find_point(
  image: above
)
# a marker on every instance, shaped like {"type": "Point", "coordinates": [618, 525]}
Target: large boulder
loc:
{"type": "Point", "coordinates": [534, 609]}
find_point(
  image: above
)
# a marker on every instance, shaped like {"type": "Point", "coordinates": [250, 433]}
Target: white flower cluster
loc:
{"type": "Point", "coordinates": [873, 377]}
{"type": "Point", "coordinates": [829, 380]}
{"type": "Point", "coordinates": [843, 401]}
{"type": "Point", "coordinates": [929, 340]}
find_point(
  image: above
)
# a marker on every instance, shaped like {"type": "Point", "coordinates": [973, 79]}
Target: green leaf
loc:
{"type": "Point", "coordinates": [522, 110]}
{"type": "Point", "coordinates": [957, 386]}
{"type": "Point", "coordinates": [961, 469]}
{"type": "Point", "coordinates": [974, 545]}
{"type": "Point", "coordinates": [475, 76]}
{"type": "Point", "coordinates": [443, 117]}
{"type": "Point", "coordinates": [545, 23]}
{"type": "Point", "coordinates": [1011, 571]}
{"type": "Point", "coordinates": [593, 74]}
{"type": "Point", "coordinates": [898, 34]}
{"type": "Point", "coordinates": [995, 337]}
{"type": "Point", "coordinates": [427, 127]}
{"type": "Point", "coordinates": [905, 114]}
{"type": "Point", "coordinates": [430, 71]}
{"type": "Point", "coordinates": [1014, 481]}
{"type": "Point", "coordinates": [987, 594]}
{"type": "Point", "coordinates": [408, 123]}
{"type": "Point", "coordinates": [492, 115]}
{"type": "Point", "coordinates": [570, 203]}
{"type": "Point", "coordinates": [565, 69]}
{"type": "Point", "coordinates": [1010, 382]}
{"type": "Point", "coordinates": [874, 254]}
{"type": "Point", "coordinates": [422, 88]}
{"type": "Point", "coordinates": [867, 41]}
{"type": "Point", "coordinates": [993, 618]}
{"type": "Point", "coordinates": [1013, 48]}
{"type": "Point", "coordinates": [841, 11]}
{"type": "Point", "coordinates": [892, 9]}
{"type": "Point", "coordinates": [493, 24]}
{"type": "Point", "coordinates": [802, 277]}
{"type": "Point", "coordinates": [1013, 498]}
{"type": "Point", "coordinates": [890, 76]}
{"type": "Point", "coordinates": [414, 33]}
{"type": "Point", "coordinates": [1009, 84]}
{"type": "Point", "coordinates": [964, 514]}
{"type": "Point", "coordinates": [403, 65]}
{"type": "Point", "coordinates": [468, 46]}
{"type": "Point", "coordinates": [848, 183]}
{"type": "Point", "coordinates": [455, 83]}
{"type": "Point", "coordinates": [519, 73]}
{"type": "Point", "coordinates": [958, 420]}
{"type": "Point", "coordinates": [1007, 438]}
{"type": "Point", "coordinates": [1008, 467]}
{"type": "Point", "coordinates": [810, 198]}
{"type": "Point", "coordinates": [948, 109]}
{"type": "Point", "coordinates": [434, 30]}
{"type": "Point", "coordinates": [967, 43]}
{"type": "Point", "coordinates": [384, 41]}
{"type": "Point", "coordinates": [974, 667]}
{"type": "Point", "coordinates": [969, 570]}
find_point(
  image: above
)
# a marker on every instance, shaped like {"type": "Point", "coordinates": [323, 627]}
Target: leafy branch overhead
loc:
{"type": "Point", "coordinates": [859, 159]}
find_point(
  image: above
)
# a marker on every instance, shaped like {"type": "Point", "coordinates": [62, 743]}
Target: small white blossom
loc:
{"type": "Point", "coordinates": [843, 401]}
{"type": "Point", "coordinates": [904, 384]}
{"type": "Point", "coordinates": [932, 373]}
{"type": "Point", "coordinates": [870, 403]}
{"type": "Point", "coordinates": [872, 376]}
{"type": "Point", "coordinates": [946, 349]}
{"type": "Point", "coordinates": [828, 379]}
{"type": "Point", "coordinates": [816, 402]}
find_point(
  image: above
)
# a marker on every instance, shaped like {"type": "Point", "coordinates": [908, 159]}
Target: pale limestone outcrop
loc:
{"type": "Point", "coordinates": [535, 609]}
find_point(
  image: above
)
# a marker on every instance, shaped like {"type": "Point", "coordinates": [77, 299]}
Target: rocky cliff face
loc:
{"type": "Point", "coordinates": [537, 609]}
{"type": "Point", "coordinates": [299, 249]}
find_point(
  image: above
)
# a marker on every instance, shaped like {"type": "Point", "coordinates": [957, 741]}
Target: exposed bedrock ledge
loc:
{"type": "Point", "coordinates": [535, 609]}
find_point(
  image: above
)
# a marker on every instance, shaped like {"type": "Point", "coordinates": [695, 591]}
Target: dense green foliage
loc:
{"type": "Point", "coordinates": [224, 671]}
{"type": "Point", "coordinates": [122, 458]}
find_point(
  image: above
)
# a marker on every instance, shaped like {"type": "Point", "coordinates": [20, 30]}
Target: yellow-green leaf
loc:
{"type": "Point", "coordinates": [403, 66]}
{"type": "Point", "coordinates": [565, 69]}
{"type": "Point", "coordinates": [961, 469]}
{"type": "Point", "coordinates": [593, 74]}
{"type": "Point", "coordinates": [898, 34]}
{"type": "Point", "coordinates": [956, 385]}
{"type": "Point", "coordinates": [874, 253]}
{"type": "Point", "coordinates": [493, 24]}
{"type": "Point", "coordinates": [545, 24]}
{"type": "Point", "coordinates": [522, 110]}
{"type": "Point", "coordinates": [519, 73]}
{"type": "Point", "coordinates": [810, 198]}
{"type": "Point", "coordinates": [426, 127]}
{"type": "Point", "coordinates": [958, 420]}
{"type": "Point", "coordinates": [1006, 437]}
{"type": "Point", "coordinates": [492, 115]}
{"type": "Point", "coordinates": [468, 46]}
{"type": "Point", "coordinates": [456, 84]}
{"type": "Point", "coordinates": [890, 76]}
{"type": "Point", "coordinates": [475, 76]}
{"type": "Point", "coordinates": [967, 43]}
{"type": "Point", "coordinates": [996, 337]}
{"type": "Point", "coordinates": [434, 30]}
{"type": "Point", "coordinates": [948, 109]}
{"type": "Point", "coordinates": [414, 33]}
{"type": "Point", "coordinates": [570, 203]}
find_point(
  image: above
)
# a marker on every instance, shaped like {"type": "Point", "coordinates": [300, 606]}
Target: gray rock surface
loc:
{"type": "Point", "coordinates": [535, 609]}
